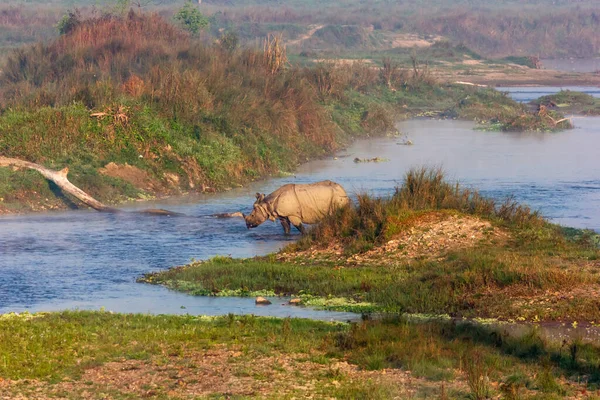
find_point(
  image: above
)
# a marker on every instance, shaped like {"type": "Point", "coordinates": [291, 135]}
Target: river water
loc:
{"type": "Point", "coordinates": [88, 260]}
{"type": "Point", "coordinates": [526, 94]}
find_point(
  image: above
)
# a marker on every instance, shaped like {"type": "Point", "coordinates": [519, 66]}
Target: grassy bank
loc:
{"type": "Point", "coordinates": [100, 355]}
{"type": "Point", "coordinates": [431, 248]}
{"type": "Point", "coordinates": [137, 108]}
{"type": "Point", "coordinates": [136, 103]}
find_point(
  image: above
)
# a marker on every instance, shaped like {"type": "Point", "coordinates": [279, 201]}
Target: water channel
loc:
{"type": "Point", "coordinates": [88, 260]}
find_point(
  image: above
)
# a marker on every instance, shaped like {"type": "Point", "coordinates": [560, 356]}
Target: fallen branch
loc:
{"type": "Point", "coordinates": [470, 84]}
{"type": "Point", "coordinates": [237, 214]}
{"type": "Point", "coordinates": [60, 179]}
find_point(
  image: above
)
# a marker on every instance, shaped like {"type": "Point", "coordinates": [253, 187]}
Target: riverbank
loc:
{"type": "Point", "coordinates": [432, 248]}
{"type": "Point", "coordinates": [501, 75]}
{"type": "Point", "coordinates": [442, 252]}
{"type": "Point", "coordinates": [436, 249]}
{"type": "Point", "coordinates": [175, 124]}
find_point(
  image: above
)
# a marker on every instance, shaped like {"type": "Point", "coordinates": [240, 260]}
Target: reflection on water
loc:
{"type": "Point", "coordinates": [87, 260]}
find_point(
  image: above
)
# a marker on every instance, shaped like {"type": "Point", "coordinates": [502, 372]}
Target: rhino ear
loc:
{"type": "Point", "coordinates": [260, 197]}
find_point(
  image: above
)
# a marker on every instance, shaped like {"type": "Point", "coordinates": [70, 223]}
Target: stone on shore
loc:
{"type": "Point", "coordinates": [262, 301]}
{"type": "Point", "coordinates": [295, 302]}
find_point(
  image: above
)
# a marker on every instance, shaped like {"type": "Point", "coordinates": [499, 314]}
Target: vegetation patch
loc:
{"type": "Point", "coordinates": [433, 248]}
{"type": "Point", "coordinates": [570, 101]}
{"type": "Point", "coordinates": [100, 354]}
{"type": "Point", "coordinates": [156, 111]}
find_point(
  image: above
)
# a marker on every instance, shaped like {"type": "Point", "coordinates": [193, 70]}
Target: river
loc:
{"type": "Point", "coordinates": [88, 260]}
{"type": "Point", "coordinates": [526, 94]}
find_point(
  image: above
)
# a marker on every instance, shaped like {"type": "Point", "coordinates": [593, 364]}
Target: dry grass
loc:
{"type": "Point", "coordinates": [136, 90]}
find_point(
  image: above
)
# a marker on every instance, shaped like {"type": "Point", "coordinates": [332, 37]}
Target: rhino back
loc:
{"type": "Point", "coordinates": [310, 202]}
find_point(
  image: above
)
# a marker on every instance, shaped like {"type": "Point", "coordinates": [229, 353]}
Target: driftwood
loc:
{"type": "Point", "coordinates": [237, 214]}
{"type": "Point", "coordinates": [543, 112]}
{"type": "Point", "coordinates": [60, 179]}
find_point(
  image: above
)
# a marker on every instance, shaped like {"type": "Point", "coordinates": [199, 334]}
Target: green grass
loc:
{"type": "Point", "coordinates": [461, 284]}
{"type": "Point", "coordinates": [44, 350]}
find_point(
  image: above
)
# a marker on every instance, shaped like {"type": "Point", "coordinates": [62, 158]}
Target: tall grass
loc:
{"type": "Point", "coordinates": [423, 189]}
{"type": "Point", "coordinates": [136, 89]}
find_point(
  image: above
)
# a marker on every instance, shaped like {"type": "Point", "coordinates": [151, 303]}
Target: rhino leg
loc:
{"type": "Point", "coordinates": [286, 225]}
{"type": "Point", "coordinates": [297, 222]}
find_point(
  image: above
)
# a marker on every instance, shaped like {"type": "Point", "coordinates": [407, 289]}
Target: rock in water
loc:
{"type": "Point", "coordinates": [262, 301]}
{"type": "Point", "coordinates": [295, 302]}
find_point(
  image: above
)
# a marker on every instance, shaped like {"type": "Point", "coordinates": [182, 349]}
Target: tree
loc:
{"type": "Point", "coordinates": [69, 22]}
{"type": "Point", "coordinates": [191, 18]}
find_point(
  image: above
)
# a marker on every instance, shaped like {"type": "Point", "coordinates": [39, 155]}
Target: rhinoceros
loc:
{"type": "Point", "coordinates": [295, 204]}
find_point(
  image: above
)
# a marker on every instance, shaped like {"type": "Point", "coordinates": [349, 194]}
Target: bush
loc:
{"type": "Point", "coordinates": [191, 18]}
{"type": "Point", "coordinates": [424, 189]}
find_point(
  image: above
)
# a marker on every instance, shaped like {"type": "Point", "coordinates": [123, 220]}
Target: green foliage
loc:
{"type": "Point", "coordinates": [567, 97]}
{"type": "Point", "coordinates": [153, 100]}
{"type": "Point", "coordinates": [500, 112]}
{"type": "Point", "coordinates": [520, 60]}
{"type": "Point", "coordinates": [191, 18]}
{"type": "Point", "coordinates": [69, 22]}
{"type": "Point", "coordinates": [373, 220]}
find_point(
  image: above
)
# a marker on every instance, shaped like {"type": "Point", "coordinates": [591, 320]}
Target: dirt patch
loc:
{"type": "Point", "coordinates": [220, 371]}
{"type": "Point", "coordinates": [138, 178]}
{"type": "Point", "coordinates": [431, 236]}
{"type": "Point", "coordinates": [342, 61]}
{"type": "Point", "coordinates": [311, 31]}
{"type": "Point", "coordinates": [437, 234]}
{"type": "Point", "coordinates": [511, 75]}
{"type": "Point", "coordinates": [413, 40]}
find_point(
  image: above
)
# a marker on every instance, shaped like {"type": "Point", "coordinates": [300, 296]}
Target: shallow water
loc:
{"type": "Point", "coordinates": [88, 260]}
{"type": "Point", "coordinates": [526, 94]}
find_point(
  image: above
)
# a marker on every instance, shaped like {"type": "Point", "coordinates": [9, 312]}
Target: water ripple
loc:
{"type": "Point", "coordinates": [87, 260]}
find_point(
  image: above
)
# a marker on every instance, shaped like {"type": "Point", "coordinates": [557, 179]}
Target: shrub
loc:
{"type": "Point", "coordinates": [191, 18]}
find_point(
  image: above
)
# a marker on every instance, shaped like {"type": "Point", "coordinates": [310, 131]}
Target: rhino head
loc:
{"type": "Point", "coordinates": [261, 211]}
